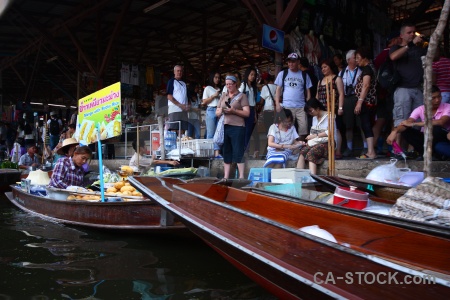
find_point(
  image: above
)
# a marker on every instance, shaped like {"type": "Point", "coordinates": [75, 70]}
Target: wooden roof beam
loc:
{"type": "Point", "coordinates": [49, 38]}
{"type": "Point", "coordinates": [83, 55]}
{"type": "Point", "coordinates": [112, 39]}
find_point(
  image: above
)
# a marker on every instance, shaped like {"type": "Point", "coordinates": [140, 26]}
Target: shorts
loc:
{"type": "Point", "coordinates": [299, 115]}
{"type": "Point", "coordinates": [405, 101]}
{"type": "Point", "coordinates": [178, 116]}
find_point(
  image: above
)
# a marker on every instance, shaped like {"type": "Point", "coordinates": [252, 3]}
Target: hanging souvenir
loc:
{"type": "Point", "coordinates": [318, 22]}
{"type": "Point", "coordinates": [328, 26]}
{"type": "Point", "coordinates": [304, 19]}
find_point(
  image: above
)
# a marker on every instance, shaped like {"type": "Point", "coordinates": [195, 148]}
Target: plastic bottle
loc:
{"type": "Point", "coordinates": [167, 140]}
{"type": "Point", "coordinates": [398, 150]}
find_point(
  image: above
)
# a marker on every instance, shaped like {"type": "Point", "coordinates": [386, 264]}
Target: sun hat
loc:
{"type": "Point", "coordinates": [65, 145]}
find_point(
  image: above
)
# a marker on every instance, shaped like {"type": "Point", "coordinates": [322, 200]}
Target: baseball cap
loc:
{"type": "Point", "coordinates": [293, 56]}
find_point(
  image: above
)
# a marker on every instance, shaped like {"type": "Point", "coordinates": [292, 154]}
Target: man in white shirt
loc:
{"type": "Point", "coordinates": [293, 87]}
{"type": "Point", "coordinates": [178, 101]}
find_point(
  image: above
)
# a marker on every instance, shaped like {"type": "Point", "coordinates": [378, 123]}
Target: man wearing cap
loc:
{"type": "Point", "coordinates": [178, 100]}
{"type": "Point", "coordinates": [54, 128]}
{"type": "Point", "coordinates": [293, 87]}
{"type": "Point", "coordinates": [30, 159]}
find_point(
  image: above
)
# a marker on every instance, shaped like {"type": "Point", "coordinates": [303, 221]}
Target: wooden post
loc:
{"type": "Point", "coordinates": [328, 99]}
{"type": "Point", "coordinates": [137, 143]}
{"type": "Point", "coordinates": [331, 129]}
{"type": "Point", "coordinates": [45, 135]}
{"type": "Point", "coordinates": [427, 62]}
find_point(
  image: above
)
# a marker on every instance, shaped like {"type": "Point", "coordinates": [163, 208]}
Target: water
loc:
{"type": "Point", "coordinates": [44, 260]}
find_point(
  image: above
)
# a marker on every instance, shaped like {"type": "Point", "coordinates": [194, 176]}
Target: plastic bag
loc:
{"type": "Point", "coordinates": [387, 173]}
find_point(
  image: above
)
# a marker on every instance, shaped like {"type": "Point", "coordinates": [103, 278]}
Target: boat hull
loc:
{"type": "Point", "coordinates": [261, 237]}
{"type": "Point", "coordinates": [136, 215]}
{"type": "Point", "coordinates": [7, 178]}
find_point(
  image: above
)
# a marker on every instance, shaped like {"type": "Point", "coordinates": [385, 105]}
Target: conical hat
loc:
{"type": "Point", "coordinates": [39, 177]}
{"type": "Point", "coordinates": [66, 144]}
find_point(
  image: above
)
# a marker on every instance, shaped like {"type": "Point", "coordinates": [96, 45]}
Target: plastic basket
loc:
{"type": "Point", "coordinates": [201, 147]}
{"type": "Point", "coordinates": [259, 175]}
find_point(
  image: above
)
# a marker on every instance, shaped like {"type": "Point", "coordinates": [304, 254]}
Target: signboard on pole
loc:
{"type": "Point", "coordinates": [273, 38]}
{"type": "Point", "coordinates": [100, 112]}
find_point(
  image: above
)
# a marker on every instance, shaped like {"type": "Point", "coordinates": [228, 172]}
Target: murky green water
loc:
{"type": "Point", "coordinates": [44, 260]}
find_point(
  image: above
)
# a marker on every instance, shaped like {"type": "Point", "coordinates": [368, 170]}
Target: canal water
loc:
{"type": "Point", "coordinates": [44, 260]}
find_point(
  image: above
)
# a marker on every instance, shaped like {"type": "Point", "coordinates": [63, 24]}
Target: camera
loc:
{"type": "Point", "coordinates": [349, 90]}
{"type": "Point", "coordinates": [425, 38]}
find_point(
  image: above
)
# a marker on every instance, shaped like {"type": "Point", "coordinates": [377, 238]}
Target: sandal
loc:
{"type": "Point", "coordinates": [365, 157]}
{"type": "Point", "coordinates": [338, 156]}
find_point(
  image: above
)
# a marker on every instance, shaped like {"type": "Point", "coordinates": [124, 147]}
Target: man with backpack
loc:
{"type": "Point", "coordinates": [54, 126]}
{"type": "Point", "coordinates": [293, 89]}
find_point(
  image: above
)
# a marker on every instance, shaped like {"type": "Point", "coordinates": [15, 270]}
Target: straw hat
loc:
{"type": "Point", "coordinates": [39, 177]}
{"type": "Point", "coordinates": [66, 144]}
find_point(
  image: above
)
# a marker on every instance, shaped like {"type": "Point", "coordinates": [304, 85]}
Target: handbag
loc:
{"type": "Point", "coordinates": [219, 134]}
{"type": "Point", "coordinates": [317, 140]}
{"type": "Point", "coordinates": [317, 130]}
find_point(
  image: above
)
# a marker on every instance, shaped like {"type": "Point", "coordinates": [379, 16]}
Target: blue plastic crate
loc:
{"type": "Point", "coordinates": [259, 175]}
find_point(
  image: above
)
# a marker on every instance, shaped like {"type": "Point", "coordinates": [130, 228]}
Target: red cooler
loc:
{"type": "Point", "coordinates": [350, 197]}
{"type": "Point", "coordinates": [155, 140]}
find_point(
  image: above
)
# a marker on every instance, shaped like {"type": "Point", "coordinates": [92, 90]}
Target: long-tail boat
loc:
{"type": "Point", "coordinates": [145, 215]}
{"type": "Point", "coordinates": [260, 235]}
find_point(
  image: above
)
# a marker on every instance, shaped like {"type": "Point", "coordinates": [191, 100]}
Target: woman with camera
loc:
{"type": "Point", "coordinates": [336, 86]}
{"type": "Point", "coordinates": [235, 108]}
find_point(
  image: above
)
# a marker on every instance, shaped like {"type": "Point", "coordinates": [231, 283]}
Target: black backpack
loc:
{"type": "Point", "coordinates": [388, 77]}
{"type": "Point", "coordinates": [54, 127]}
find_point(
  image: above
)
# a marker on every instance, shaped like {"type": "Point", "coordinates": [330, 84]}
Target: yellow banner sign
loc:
{"type": "Point", "coordinates": [104, 108]}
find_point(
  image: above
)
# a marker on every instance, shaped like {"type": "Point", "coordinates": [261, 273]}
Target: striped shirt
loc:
{"type": "Point", "coordinates": [66, 173]}
{"type": "Point", "coordinates": [442, 70]}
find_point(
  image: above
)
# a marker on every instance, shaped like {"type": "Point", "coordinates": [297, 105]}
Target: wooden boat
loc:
{"type": "Point", "coordinates": [8, 177]}
{"type": "Point", "coordinates": [259, 235]}
{"type": "Point", "coordinates": [144, 215]}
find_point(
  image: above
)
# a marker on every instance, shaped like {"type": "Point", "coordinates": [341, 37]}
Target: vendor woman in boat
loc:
{"type": "Point", "coordinates": [66, 149]}
{"type": "Point", "coordinates": [68, 170]}
{"type": "Point", "coordinates": [146, 161]}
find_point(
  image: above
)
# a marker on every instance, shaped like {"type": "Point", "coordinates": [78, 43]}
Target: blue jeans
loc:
{"type": "Point", "coordinates": [445, 97]}
{"type": "Point", "coordinates": [233, 144]}
{"type": "Point", "coordinates": [211, 124]}
{"type": "Point", "coordinates": [54, 140]}
{"type": "Point", "coordinates": [443, 148]}
{"type": "Point", "coordinates": [194, 128]}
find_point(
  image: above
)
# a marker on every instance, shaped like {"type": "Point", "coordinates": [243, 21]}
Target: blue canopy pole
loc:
{"type": "Point", "coordinates": [100, 163]}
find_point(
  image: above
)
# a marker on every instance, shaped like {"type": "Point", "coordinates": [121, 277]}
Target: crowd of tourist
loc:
{"type": "Point", "coordinates": [294, 103]}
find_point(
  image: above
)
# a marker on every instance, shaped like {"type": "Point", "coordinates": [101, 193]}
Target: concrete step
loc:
{"type": "Point", "coordinates": [349, 167]}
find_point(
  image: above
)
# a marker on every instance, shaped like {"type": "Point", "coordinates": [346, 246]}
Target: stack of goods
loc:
{"type": "Point", "coordinates": [428, 202]}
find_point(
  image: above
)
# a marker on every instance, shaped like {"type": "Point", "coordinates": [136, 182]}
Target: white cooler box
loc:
{"type": "Point", "coordinates": [291, 175]}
